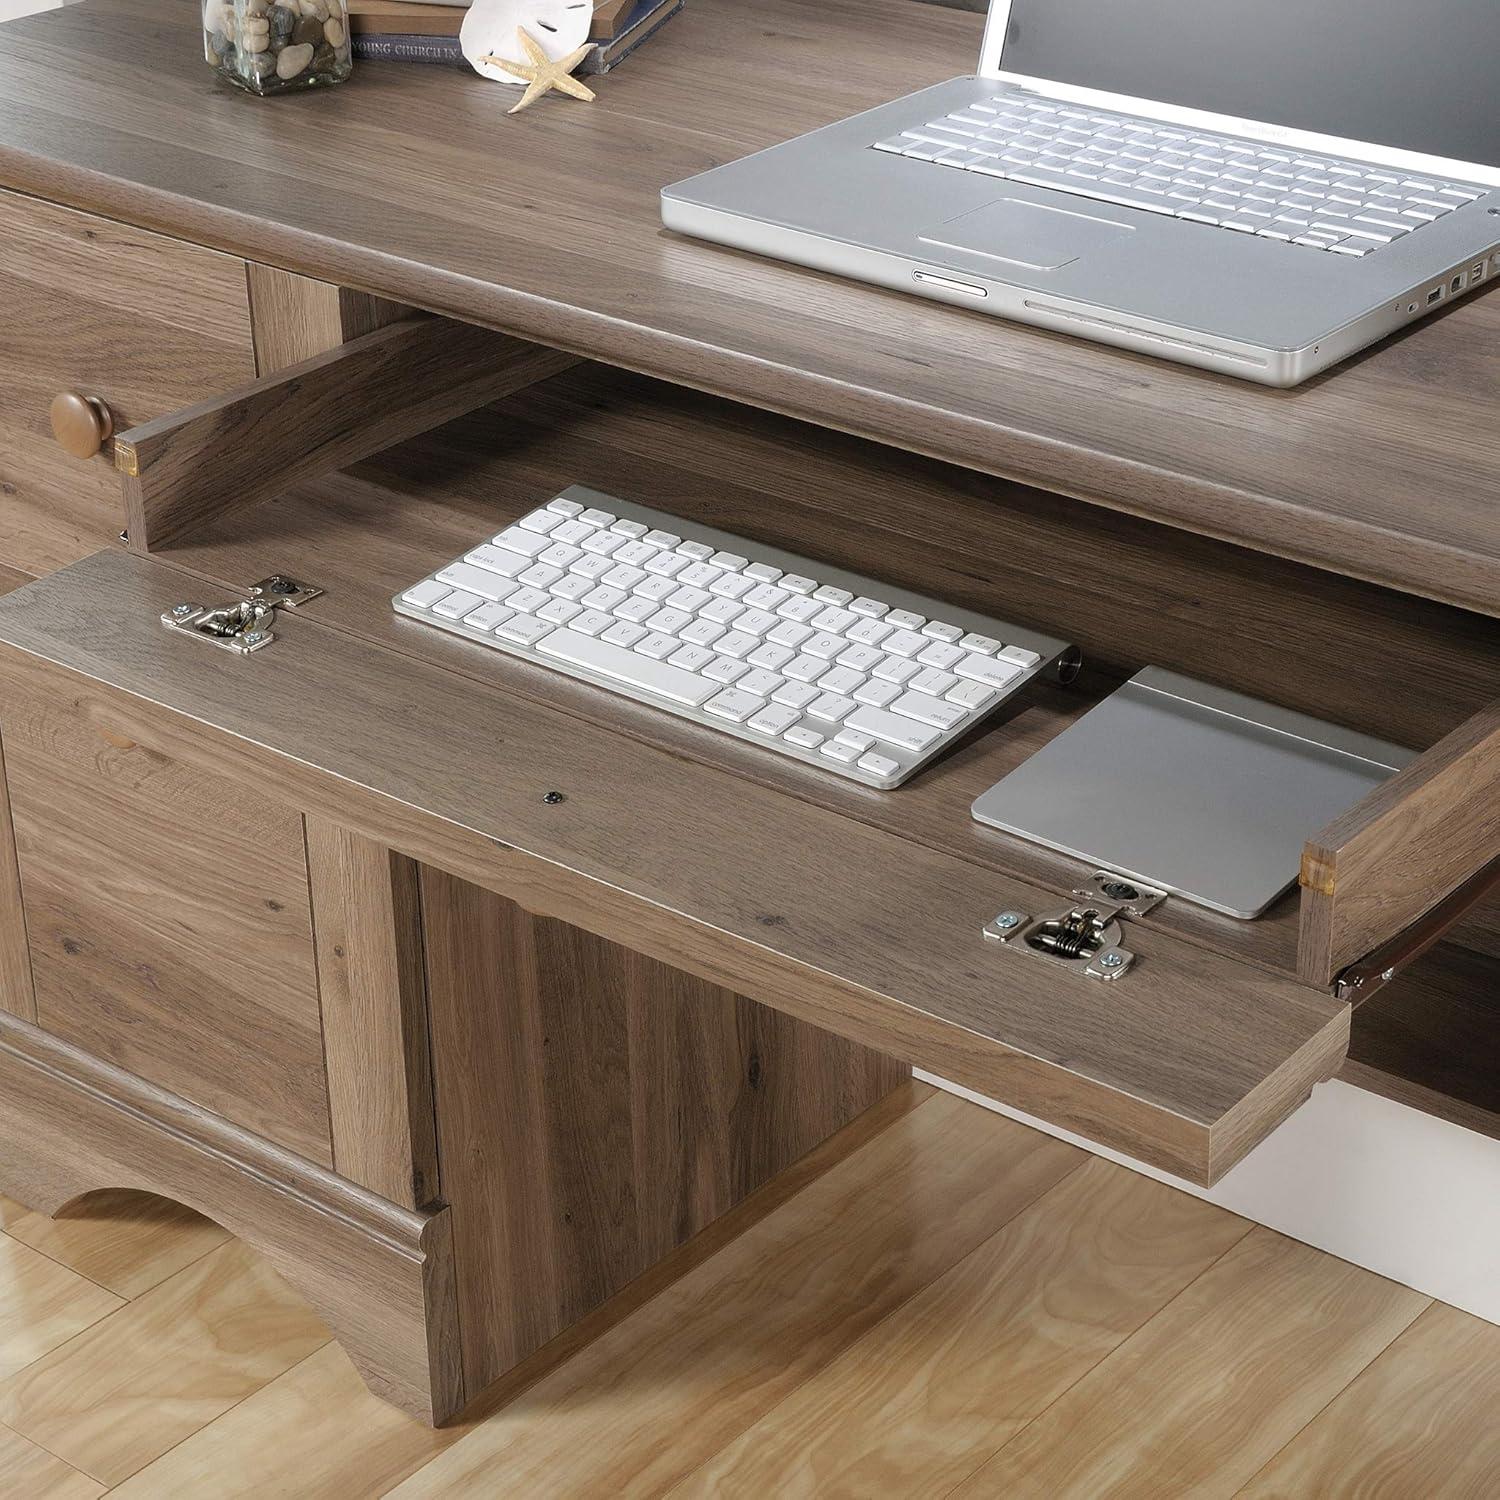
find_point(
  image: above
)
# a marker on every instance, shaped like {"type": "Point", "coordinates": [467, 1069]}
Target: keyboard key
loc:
{"type": "Point", "coordinates": [993, 671]}
{"type": "Point", "coordinates": [626, 666]}
{"type": "Point", "coordinates": [805, 668]}
{"type": "Point", "coordinates": [737, 643]}
{"type": "Point", "coordinates": [830, 706]}
{"type": "Point", "coordinates": [623, 633]}
{"type": "Point", "coordinates": [527, 630]}
{"type": "Point", "coordinates": [527, 601]}
{"type": "Point", "coordinates": [497, 560]}
{"type": "Point", "coordinates": [861, 658]}
{"type": "Point", "coordinates": [904, 643]}
{"type": "Point", "coordinates": [803, 737]}
{"type": "Point", "coordinates": [795, 583]}
{"type": "Point", "coordinates": [593, 517]}
{"type": "Point", "coordinates": [488, 616]}
{"type": "Point", "coordinates": [702, 632]}
{"type": "Point", "coordinates": [830, 595]}
{"type": "Point", "coordinates": [877, 692]}
{"type": "Point", "coordinates": [457, 605]}
{"type": "Point", "coordinates": [931, 680]}
{"type": "Point", "coordinates": [824, 644]}
{"type": "Point", "coordinates": [928, 710]}
{"type": "Point", "coordinates": [841, 680]}
{"type": "Point", "coordinates": [732, 704]}
{"type": "Point", "coordinates": [727, 669]}
{"type": "Point", "coordinates": [542, 521]}
{"type": "Point", "coordinates": [869, 632]}
{"type": "Point", "coordinates": [425, 595]}
{"type": "Point", "coordinates": [760, 682]}
{"type": "Point", "coordinates": [564, 507]}
{"type": "Point", "coordinates": [903, 732]}
{"type": "Point", "coordinates": [789, 633]}
{"type": "Point", "coordinates": [973, 696]}
{"type": "Point", "coordinates": [594, 622]}
{"type": "Point", "coordinates": [846, 754]}
{"type": "Point", "coordinates": [770, 656]}
{"type": "Point", "coordinates": [774, 720]}
{"type": "Point", "coordinates": [691, 658]}
{"type": "Point", "coordinates": [941, 654]}
{"type": "Point", "coordinates": [795, 694]}
{"type": "Point", "coordinates": [878, 765]}
{"type": "Point", "coordinates": [517, 539]}
{"type": "Point", "coordinates": [474, 580]}
{"type": "Point", "coordinates": [896, 669]}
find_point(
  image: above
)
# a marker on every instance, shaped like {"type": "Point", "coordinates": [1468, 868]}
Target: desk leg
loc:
{"type": "Point", "coordinates": [596, 1109]}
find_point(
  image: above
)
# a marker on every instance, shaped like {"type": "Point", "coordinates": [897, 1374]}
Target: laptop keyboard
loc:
{"type": "Point", "coordinates": [1321, 202]}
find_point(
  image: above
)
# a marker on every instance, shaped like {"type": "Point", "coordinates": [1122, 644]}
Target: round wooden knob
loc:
{"type": "Point", "coordinates": [82, 424]}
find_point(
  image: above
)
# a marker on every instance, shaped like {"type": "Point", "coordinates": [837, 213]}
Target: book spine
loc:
{"type": "Point", "coordinates": [424, 49]}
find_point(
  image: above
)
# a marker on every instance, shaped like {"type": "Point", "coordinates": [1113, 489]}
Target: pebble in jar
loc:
{"type": "Point", "coordinates": [271, 46]}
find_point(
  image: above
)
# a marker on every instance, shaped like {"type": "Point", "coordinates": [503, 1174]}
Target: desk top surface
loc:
{"type": "Point", "coordinates": [413, 182]}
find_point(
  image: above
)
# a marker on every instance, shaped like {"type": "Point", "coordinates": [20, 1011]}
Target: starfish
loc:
{"type": "Point", "coordinates": [542, 75]}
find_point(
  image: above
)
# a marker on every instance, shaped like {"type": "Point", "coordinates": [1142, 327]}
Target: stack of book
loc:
{"type": "Point", "coordinates": [416, 31]}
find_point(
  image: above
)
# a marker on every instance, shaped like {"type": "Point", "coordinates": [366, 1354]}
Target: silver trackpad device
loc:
{"type": "Point", "coordinates": [1025, 234]}
{"type": "Point", "coordinates": [1191, 788]}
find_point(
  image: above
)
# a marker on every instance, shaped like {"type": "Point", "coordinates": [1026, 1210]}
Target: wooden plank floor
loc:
{"type": "Point", "coordinates": [956, 1306]}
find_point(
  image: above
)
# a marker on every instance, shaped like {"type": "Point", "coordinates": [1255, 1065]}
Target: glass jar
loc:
{"type": "Point", "coordinates": [271, 46]}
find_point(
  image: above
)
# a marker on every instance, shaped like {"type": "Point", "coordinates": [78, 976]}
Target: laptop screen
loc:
{"type": "Point", "coordinates": [1416, 74]}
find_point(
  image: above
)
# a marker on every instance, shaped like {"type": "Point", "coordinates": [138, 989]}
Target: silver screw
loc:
{"type": "Point", "coordinates": [181, 611]}
{"type": "Point", "coordinates": [254, 638]}
{"type": "Point", "coordinates": [1006, 920]}
{"type": "Point", "coordinates": [1110, 960]}
{"type": "Point", "coordinates": [1389, 975]}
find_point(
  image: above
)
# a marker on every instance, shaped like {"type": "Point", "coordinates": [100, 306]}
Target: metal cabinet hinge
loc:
{"type": "Point", "coordinates": [241, 625]}
{"type": "Point", "coordinates": [1086, 937]}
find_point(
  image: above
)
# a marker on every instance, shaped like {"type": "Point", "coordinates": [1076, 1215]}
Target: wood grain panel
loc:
{"type": "Point", "coordinates": [167, 909]}
{"type": "Point", "coordinates": [193, 1347]}
{"type": "Point", "coordinates": [368, 920]}
{"type": "Point", "coordinates": [1415, 839]}
{"type": "Point", "coordinates": [926, 1397]}
{"type": "Point", "coordinates": [28, 1470]}
{"type": "Point", "coordinates": [1128, 592]}
{"type": "Point", "coordinates": [42, 1305]}
{"type": "Point", "coordinates": [295, 317]}
{"type": "Point", "coordinates": [650, 1401]}
{"type": "Point", "coordinates": [125, 1242]}
{"type": "Point", "coordinates": [380, 1276]}
{"type": "Point", "coordinates": [314, 416]}
{"type": "Point", "coordinates": [596, 1109]}
{"type": "Point", "coordinates": [1211, 1388]}
{"type": "Point", "coordinates": [315, 1432]}
{"type": "Point", "coordinates": [1416, 1422]}
{"type": "Point", "coordinates": [400, 190]}
{"type": "Point", "coordinates": [17, 990]}
{"type": "Point", "coordinates": [142, 322]}
{"type": "Point", "coordinates": [1159, 1070]}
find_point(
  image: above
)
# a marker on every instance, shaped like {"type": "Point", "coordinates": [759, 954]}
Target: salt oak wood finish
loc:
{"type": "Point", "coordinates": [414, 968]}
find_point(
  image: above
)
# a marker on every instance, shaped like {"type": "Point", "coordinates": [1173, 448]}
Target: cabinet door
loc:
{"type": "Point", "coordinates": [138, 323]}
{"type": "Point", "coordinates": [169, 920]}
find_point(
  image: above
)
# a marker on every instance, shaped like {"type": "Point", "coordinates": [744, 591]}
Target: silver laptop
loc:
{"type": "Point", "coordinates": [1258, 188]}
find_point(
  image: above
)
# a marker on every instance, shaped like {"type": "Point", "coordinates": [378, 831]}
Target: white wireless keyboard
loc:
{"type": "Point", "coordinates": [845, 674]}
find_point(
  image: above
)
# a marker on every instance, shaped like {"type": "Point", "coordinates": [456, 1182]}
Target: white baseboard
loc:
{"type": "Point", "coordinates": [1374, 1182]}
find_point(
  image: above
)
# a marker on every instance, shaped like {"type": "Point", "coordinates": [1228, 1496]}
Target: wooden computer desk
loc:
{"type": "Point", "coordinates": [466, 993]}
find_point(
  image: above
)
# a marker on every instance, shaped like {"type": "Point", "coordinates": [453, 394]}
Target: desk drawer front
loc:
{"type": "Point", "coordinates": [1408, 846]}
{"type": "Point", "coordinates": [140, 323]}
{"type": "Point", "coordinates": [168, 916]}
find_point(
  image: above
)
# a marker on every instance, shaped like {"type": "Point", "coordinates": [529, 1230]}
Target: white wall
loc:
{"type": "Point", "coordinates": [10, 9]}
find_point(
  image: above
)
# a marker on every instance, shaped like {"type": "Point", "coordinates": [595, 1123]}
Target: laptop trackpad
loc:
{"type": "Point", "coordinates": [1025, 234]}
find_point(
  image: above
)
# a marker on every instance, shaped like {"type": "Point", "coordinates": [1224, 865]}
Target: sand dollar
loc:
{"type": "Point", "coordinates": [489, 29]}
